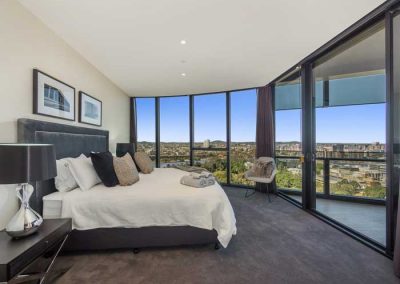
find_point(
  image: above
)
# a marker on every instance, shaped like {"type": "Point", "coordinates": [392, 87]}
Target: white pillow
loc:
{"type": "Point", "coordinates": [64, 181]}
{"type": "Point", "coordinates": [84, 173]}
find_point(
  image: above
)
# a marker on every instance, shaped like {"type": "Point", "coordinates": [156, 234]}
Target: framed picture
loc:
{"type": "Point", "coordinates": [52, 97]}
{"type": "Point", "coordinates": [90, 109]}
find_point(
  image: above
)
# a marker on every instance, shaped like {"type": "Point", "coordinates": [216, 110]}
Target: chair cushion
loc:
{"type": "Point", "coordinates": [263, 169]}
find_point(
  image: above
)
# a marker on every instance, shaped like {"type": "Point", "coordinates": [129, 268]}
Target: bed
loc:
{"type": "Point", "coordinates": [157, 212]}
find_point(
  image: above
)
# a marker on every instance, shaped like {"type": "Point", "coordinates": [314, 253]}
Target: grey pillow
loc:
{"type": "Point", "coordinates": [125, 170]}
{"type": "Point", "coordinates": [144, 162]}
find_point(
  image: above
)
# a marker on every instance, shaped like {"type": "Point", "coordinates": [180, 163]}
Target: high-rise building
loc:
{"type": "Point", "coordinates": [206, 143]}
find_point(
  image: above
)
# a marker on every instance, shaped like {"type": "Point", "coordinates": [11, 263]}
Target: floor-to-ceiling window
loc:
{"type": "Point", "coordinates": [174, 131]}
{"type": "Point", "coordinates": [146, 127]}
{"type": "Point", "coordinates": [243, 134]}
{"type": "Point", "coordinates": [350, 123]}
{"type": "Point", "coordinates": [210, 130]}
{"type": "Point", "coordinates": [288, 131]}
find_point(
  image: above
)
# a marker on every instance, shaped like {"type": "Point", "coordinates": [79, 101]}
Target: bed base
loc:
{"type": "Point", "coordinates": [137, 238]}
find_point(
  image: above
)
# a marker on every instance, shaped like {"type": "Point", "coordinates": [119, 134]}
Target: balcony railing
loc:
{"type": "Point", "coordinates": [346, 176]}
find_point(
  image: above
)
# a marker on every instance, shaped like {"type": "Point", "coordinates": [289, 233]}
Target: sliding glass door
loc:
{"type": "Point", "coordinates": [350, 134]}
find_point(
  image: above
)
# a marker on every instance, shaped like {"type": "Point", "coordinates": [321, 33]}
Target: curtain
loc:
{"type": "Point", "coordinates": [265, 132]}
{"type": "Point", "coordinates": [132, 121]}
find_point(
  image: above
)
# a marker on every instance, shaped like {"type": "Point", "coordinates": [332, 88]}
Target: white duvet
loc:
{"type": "Point", "coordinates": [157, 199]}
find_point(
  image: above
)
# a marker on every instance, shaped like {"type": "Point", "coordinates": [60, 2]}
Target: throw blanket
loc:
{"type": "Point", "coordinates": [157, 199]}
{"type": "Point", "coordinates": [190, 169]}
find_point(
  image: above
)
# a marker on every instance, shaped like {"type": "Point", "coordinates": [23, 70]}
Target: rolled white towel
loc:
{"type": "Point", "coordinates": [206, 174]}
{"type": "Point", "coordinates": [202, 174]}
{"type": "Point", "coordinates": [210, 180]}
{"type": "Point", "coordinates": [194, 182]}
{"type": "Point", "coordinates": [195, 175]}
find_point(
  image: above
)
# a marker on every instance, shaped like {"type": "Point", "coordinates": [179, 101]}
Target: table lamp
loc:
{"type": "Point", "coordinates": [21, 164]}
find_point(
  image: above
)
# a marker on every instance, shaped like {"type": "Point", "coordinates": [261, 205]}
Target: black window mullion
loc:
{"type": "Point", "coordinates": [228, 138]}
{"type": "Point", "coordinates": [191, 128]}
{"type": "Point", "coordinates": [308, 140]}
{"type": "Point", "coordinates": [326, 177]}
{"type": "Point", "coordinates": [325, 92]}
{"type": "Point", "coordinates": [157, 112]}
{"type": "Point", "coordinates": [391, 180]}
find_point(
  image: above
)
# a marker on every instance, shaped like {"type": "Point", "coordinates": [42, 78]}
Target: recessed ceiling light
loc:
{"type": "Point", "coordinates": [183, 41]}
{"type": "Point", "coordinates": [183, 74]}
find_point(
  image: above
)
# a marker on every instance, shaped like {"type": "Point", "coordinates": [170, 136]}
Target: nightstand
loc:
{"type": "Point", "coordinates": [29, 260]}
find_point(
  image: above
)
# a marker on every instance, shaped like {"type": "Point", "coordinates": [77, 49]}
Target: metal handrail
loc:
{"type": "Point", "coordinates": [327, 194]}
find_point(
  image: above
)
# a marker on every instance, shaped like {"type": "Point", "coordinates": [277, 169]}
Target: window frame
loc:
{"type": "Point", "coordinates": [192, 148]}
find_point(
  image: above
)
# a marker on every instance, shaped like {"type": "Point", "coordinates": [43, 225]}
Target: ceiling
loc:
{"type": "Point", "coordinates": [364, 54]}
{"type": "Point", "coordinates": [231, 44]}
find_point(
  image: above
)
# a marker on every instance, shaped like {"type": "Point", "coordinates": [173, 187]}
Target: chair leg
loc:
{"type": "Point", "coordinates": [269, 192]}
{"type": "Point", "coordinates": [252, 192]}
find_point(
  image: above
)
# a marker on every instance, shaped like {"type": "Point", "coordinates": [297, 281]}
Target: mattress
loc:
{"type": "Point", "coordinates": [157, 199]}
{"type": "Point", "coordinates": [52, 205]}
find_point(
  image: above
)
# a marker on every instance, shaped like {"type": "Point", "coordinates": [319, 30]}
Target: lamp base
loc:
{"type": "Point", "coordinates": [26, 221]}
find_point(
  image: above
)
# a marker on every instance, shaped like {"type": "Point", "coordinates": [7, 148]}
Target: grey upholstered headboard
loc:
{"type": "Point", "coordinates": [68, 140]}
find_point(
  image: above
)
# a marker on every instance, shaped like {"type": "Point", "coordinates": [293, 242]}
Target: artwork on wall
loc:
{"type": "Point", "coordinates": [52, 97]}
{"type": "Point", "coordinates": [90, 109]}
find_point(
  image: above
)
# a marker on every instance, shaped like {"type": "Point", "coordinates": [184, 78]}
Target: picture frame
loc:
{"type": "Point", "coordinates": [90, 109]}
{"type": "Point", "coordinates": [52, 97]}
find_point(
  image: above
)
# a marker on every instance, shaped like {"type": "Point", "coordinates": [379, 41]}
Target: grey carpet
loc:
{"type": "Point", "coordinates": [276, 243]}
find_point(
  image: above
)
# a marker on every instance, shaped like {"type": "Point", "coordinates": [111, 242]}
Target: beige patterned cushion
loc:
{"type": "Point", "coordinates": [126, 170]}
{"type": "Point", "coordinates": [144, 162]}
{"type": "Point", "coordinates": [263, 169]}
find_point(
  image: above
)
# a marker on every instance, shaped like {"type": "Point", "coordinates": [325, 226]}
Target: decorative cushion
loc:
{"type": "Point", "coordinates": [144, 162]}
{"type": "Point", "coordinates": [104, 166]}
{"type": "Point", "coordinates": [125, 170]}
{"type": "Point", "coordinates": [65, 181]}
{"type": "Point", "coordinates": [263, 169]}
{"type": "Point", "coordinates": [83, 172]}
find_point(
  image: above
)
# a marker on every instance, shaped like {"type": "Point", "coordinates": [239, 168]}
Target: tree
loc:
{"type": "Point", "coordinates": [345, 187]}
{"type": "Point", "coordinates": [287, 179]}
{"type": "Point", "coordinates": [375, 191]}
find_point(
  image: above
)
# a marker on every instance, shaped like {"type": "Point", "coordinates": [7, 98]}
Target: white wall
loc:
{"type": "Point", "coordinates": [26, 43]}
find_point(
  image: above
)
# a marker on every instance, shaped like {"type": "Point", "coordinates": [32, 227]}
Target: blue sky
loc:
{"type": "Point", "coordinates": [174, 119]}
{"type": "Point", "coordinates": [210, 118]}
{"type": "Point", "coordinates": [344, 124]}
{"type": "Point", "coordinates": [348, 124]}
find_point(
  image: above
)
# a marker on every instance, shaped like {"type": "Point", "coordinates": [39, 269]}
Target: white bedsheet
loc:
{"type": "Point", "coordinates": [158, 199]}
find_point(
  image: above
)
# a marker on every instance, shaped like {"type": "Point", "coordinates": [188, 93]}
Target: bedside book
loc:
{"type": "Point", "coordinates": [31, 259]}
